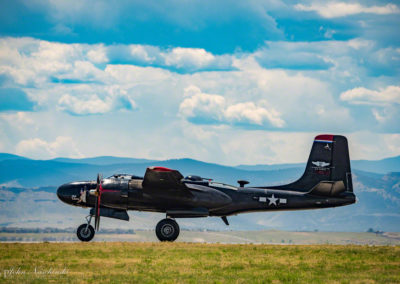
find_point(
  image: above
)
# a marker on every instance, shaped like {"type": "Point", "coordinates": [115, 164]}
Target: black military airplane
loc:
{"type": "Point", "coordinates": [326, 182]}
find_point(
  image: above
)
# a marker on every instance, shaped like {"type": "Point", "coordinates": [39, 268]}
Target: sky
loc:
{"type": "Point", "coordinates": [228, 82]}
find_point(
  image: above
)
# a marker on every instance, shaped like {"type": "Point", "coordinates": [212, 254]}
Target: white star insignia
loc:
{"type": "Point", "coordinates": [272, 200]}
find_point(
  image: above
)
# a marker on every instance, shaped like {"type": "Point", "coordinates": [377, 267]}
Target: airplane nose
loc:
{"type": "Point", "coordinates": [64, 193]}
{"type": "Point", "coordinates": [74, 193]}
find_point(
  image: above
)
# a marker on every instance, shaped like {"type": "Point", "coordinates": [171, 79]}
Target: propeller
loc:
{"type": "Point", "coordinates": [97, 192]}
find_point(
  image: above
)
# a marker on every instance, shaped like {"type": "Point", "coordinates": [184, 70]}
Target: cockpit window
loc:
{"type": "Point", "coordinates": [222, 185]}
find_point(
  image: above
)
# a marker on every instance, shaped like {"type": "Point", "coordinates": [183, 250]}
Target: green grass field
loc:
{"type": "Point", "coordinates": [193, 263]}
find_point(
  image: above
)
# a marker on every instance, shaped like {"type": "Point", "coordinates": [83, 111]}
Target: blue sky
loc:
{"type": "Point", "coordinates": [231, 82]}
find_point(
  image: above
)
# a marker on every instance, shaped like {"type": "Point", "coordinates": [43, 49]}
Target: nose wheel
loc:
{"type": "Point", "coordinates": [85, 232]}
{"type": "Point", "coordinates": [167, 230]}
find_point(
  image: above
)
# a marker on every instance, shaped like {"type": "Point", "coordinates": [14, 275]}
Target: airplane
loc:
{"type": "Point", "coordinates": [326, 182]}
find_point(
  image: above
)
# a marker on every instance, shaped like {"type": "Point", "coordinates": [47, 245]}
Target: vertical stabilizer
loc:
{"type": "Point", "coordinates": [329, 161]}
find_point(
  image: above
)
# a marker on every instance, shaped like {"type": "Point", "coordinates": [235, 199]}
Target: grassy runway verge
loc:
{"type": "Point", "coordinates": [194, 263]}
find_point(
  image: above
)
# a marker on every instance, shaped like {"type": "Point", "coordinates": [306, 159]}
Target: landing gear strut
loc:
{"type": "Point", "coordinates": [167, 230]}
{"type": "Point", "coordinates": [85, 232]}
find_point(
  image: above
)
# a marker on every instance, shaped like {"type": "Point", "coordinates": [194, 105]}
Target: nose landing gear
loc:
{"type": "Point", "coordinates": [167, 230]}
{"type": "Point", "coordinates": [85, 232]}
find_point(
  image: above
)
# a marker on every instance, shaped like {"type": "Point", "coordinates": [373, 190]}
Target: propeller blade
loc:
{"type": "Point", "coordinates": [97, 215]}
{"type": "Point", "coordinates": [98, 202]}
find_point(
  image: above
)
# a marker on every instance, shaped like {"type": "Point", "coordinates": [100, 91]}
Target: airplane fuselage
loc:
{"type": "Point", "coordinates": [205, 198]}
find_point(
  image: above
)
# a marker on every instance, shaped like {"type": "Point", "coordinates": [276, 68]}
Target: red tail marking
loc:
{"type": "Point", "coordinates": [328, 137]}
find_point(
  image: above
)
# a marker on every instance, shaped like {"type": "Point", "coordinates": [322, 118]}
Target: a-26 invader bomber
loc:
{"type": "Point", "coordinates": [326, 182]}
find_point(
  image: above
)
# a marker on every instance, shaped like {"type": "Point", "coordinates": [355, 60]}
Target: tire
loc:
{"type": "Point", "coordinates": [83, 234]}
{"type": "Point", "coordinates": [167, 230]}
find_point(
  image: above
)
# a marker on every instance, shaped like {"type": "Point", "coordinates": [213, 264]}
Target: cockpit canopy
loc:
{"type": "Point", "coordinates": [190, 179]}
{"type": "Point", "coordinates": [124, 177]}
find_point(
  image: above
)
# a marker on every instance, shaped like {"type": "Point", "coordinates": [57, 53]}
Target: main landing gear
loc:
{"type": "Point", "coordinates": [85, 232]}
{"type": "Point", "coordinates": [167, 230]}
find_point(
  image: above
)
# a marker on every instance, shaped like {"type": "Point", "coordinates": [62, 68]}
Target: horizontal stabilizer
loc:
{"type": "Point", "coordinates": [328, 188]}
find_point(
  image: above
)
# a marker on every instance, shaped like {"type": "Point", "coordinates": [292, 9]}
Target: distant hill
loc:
{"type": "Point", "coordinates": [383, 166]}
{"type": "Point", "coordinates": [380, 166]}
{"type": "Point", "coordinates": [6, 156]}
{"type": "Point", "coordinates": [35, 173]}
{"type": "Point", "coordinates": [103, 160]}
{"type": "Point", "coordinates": [261, 167]}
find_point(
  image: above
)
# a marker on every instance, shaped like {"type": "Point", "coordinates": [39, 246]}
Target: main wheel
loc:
{"type": "Point", "coordinates": [85, 233]}
{"type": "Point", "coordinates": [167, 230]}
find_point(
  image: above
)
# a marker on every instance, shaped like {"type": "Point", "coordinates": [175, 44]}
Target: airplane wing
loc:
{"type": "Point", "coordinates": [160, 178]}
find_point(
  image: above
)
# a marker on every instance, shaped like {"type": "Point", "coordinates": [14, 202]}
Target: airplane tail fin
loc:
{"type": "Point", "coordinates": [328, 168]}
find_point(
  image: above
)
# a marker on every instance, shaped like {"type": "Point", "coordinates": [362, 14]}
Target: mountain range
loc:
{"type": "Point", "coordinates": [28, 199]}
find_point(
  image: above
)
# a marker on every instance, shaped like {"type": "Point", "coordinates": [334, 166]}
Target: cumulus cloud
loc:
{"type": "Point", "coordinates": [93, 104]}
{"type": "Point", "coordinates": [383, 104]}
{"type": "Point", "coordinates": [36, 62]}
{"type": "Point", "coordinates": [343, 9]}
{"type": "Point", "coordinates": [208, 108]}
{"type": "Point", "coordinates": [33, 61]}
{"type": "Point", "coordinates": [40, 149]}
{"type": "Point", "coordinates": [178, 59]}
{"type": "Point", "coordinates": [388, 95]}
{"type": "Point", "coordinates": [97, 54]}
{"type": "Point", "coordinates": [191, 57]}
{"type": "Point", "coordinates": [253, 114]}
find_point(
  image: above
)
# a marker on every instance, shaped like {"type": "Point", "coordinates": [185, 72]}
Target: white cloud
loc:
{"type": "Point", "coordinates": [30, 61]}
{"type": "Point", "coordinates": [83, 71]}
{"type": "Point", "coordinates": [97, 54]}
{"type": "Point", "coordinates": [82, 104]}
{"type": "Point", "coordinates": [359, 43]}
{"type": "Point", "coordinates": [144, 53]}
{"type": "Point", "coordinates": [378, 116]}
{"type": "Point", "coordinates": [367, 145]}
{"type": "Point", "coordinates": [342, 9]}
{"type": "Point", "coordinates": [389, 95]}
{"type": "Point", "coordinates": [249, 112]}
{"type": "Point", "coordinates": [90, 105]}
{"type": "Point", "coordinates": [41, 149]}
{"type": "Point", "coordinates": [191, 57]}
{"type": "Point", "coordinates": [131, 75]}
{"type": "Point", "coordinates": [178, 58]}
{"type": "Point", "coordinates": [206, 108]}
